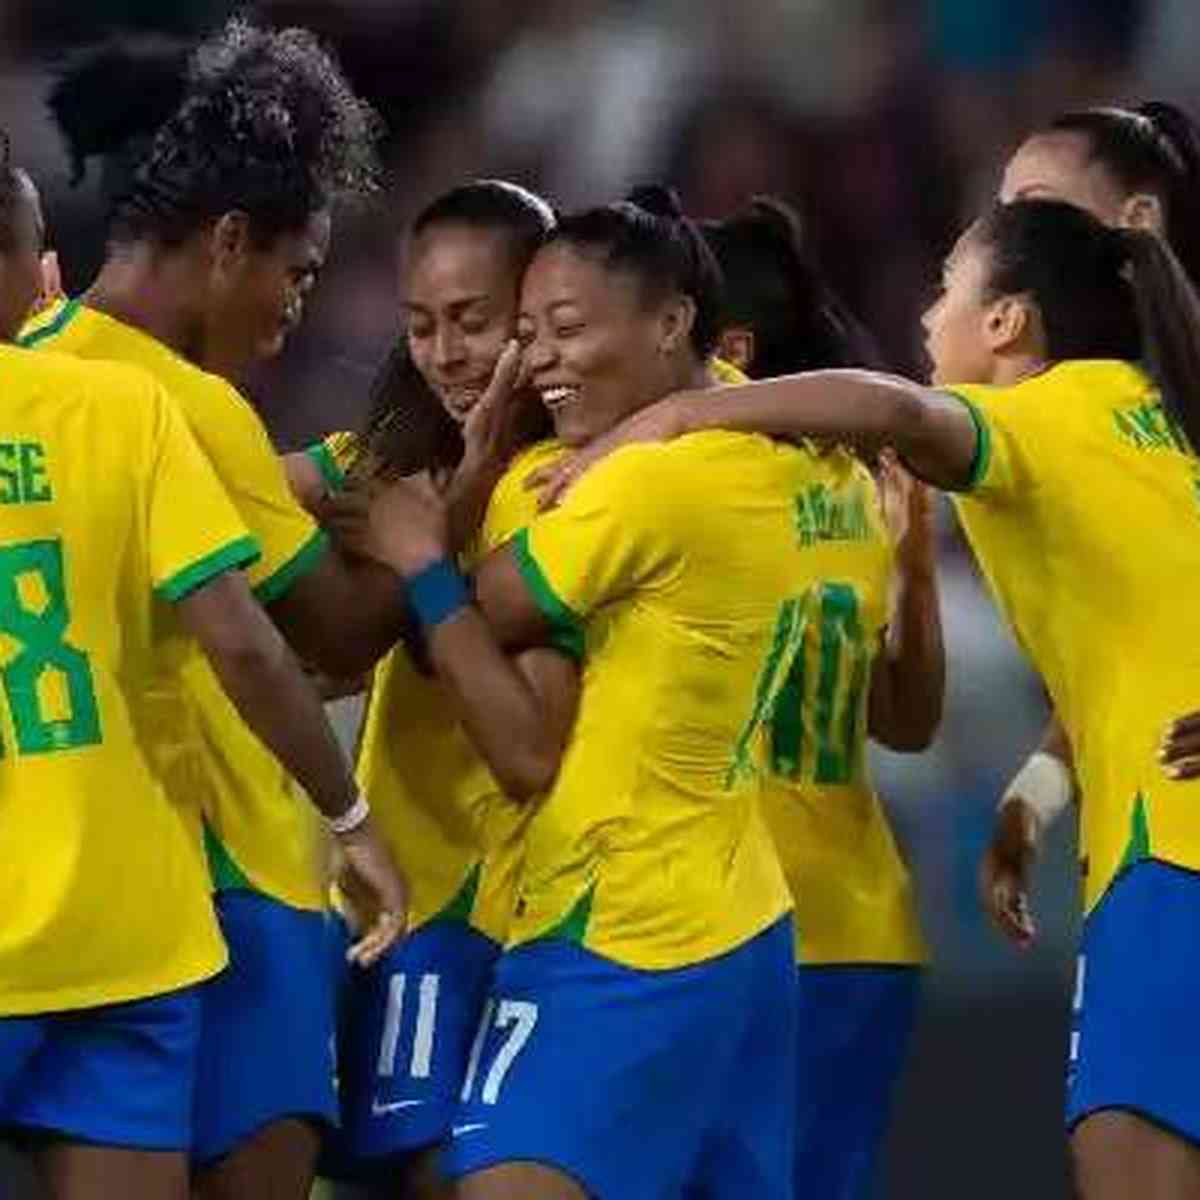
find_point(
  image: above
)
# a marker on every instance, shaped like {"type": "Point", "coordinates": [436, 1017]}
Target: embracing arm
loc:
{"type": "Point", "coordinates": [517, 708]}
{"type": "Point", "coordinates": [933, 433]}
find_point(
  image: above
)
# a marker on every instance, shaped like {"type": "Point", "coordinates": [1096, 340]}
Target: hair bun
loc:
{"type": "Point", "coordinates": [657, 200]}
{"type": "Point", "coordinates": [120, 90]}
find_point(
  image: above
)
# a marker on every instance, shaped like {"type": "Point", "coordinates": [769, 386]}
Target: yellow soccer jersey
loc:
{"type": "Point", "coordinates": [1084, 514]}
{"type": "Point", "coordinates": [260, 828]}
{"type": "Point", "coordinates": [676, 572]}
{"type": "Point", "coordinates": [722, 372]}
{"type": "Point", "coordinates": [853, 895]}
{"type": "Point", "coordinates": [452, 830]}
{"type": "Point", "coordinates": [108, 510]}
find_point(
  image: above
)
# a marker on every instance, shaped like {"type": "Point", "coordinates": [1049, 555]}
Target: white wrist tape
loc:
{"type": "Point", "coordinates": [1045, 784]}
{"type": "Point", "coordinates": [352, 818]}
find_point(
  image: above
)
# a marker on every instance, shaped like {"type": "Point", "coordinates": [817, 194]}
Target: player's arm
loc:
{"type": "Point", "coordinates": [342, 615]}
{"type": "Point", "coordinates": [518, 711]}
{"type": "Point", "coordinates": [195, 568]}
{"type": "Point", "coordinates": [264, 681]}
{"type": "Point", "coordinates": [936, 435]}
{"type": "Point", "coordinates": [908, 682]}
{"type": "Point", "coordinates": [1038, 793]}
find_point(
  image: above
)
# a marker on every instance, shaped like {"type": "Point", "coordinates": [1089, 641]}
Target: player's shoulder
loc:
{"type": "Point", "coordinates": [1058, 390]}
{"type": "Point", "coordinates": [68, 377]}
{"type": "Point", "coordinates": [530, 459]}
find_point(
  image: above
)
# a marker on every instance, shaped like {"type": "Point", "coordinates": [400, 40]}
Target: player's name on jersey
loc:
{"type": "Point", "coordinates": [23, 478]}
{"type": "Point", "coordinates": [823, 515]}
{"type": "Point", "coordinates": [1148, 427]}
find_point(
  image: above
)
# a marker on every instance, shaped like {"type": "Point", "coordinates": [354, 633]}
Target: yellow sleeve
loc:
{"type": "Point", "coordinates": [333, 456]}
{"type": "Point", "coordinates": [194, 532]}
{"type": "Point", "coordinates": [617, 532]}
{"type": "Point", "coordinates": [726, 373]}
{"type": "Point", "coordinates": [238, 446]}
{"type": "Point", "coordinates": [1007, 426]}
{"type": "Point", "coordinates": [512, 504]}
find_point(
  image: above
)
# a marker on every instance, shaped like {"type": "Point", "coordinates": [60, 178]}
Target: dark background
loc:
{"type": "Point", "coordinates": [888, 122]}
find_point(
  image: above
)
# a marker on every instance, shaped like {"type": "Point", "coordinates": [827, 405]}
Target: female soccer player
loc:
{"type": "Point", "coordinates": [1079, 497]}
{"type": "Point", "coordinates": [214, 245]}
{"type": "Point", "coordinates": [623, 1051]}
{"type": "Point", "coordinates": [406, 1026]}
{"type": "Point", "coordinates": [1137, 169]}
{"type": "Point", "coordinates": [116, 543]}
{"type": "Point", "coordinates": [858, 942]}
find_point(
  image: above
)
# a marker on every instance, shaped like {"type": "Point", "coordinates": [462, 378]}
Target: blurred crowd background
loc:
{"type": "Point", "coordinates": [887, 122]}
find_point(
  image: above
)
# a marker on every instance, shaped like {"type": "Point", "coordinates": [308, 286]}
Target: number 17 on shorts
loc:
{"type": "Point", "coordinates": [512, 1023]}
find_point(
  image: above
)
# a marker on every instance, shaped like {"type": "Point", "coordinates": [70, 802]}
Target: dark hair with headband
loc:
{"type": "Point", "coordinates": [1153, 148]}
{"type": "Point", "coordinates": [1101, 293]}
{"type": "Point", "coordinates": [774, 289]}
{"type": "Point", "coordinates": [648, 236]}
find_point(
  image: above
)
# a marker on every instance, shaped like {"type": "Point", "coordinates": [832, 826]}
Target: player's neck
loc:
{"type": "Point", "coordinates": [147, 290]}
{"type": "Point", "coordinates": [1014, 369]}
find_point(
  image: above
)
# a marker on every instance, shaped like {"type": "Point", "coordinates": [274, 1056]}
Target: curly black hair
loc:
{"type": "Point", "coordinates": [268, 125]}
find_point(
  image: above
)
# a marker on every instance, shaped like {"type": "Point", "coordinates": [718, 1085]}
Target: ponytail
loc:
{"type": "Point", "coordinates": [1101, 293]}
{"type": "Point", "coordinates": [1153, 148]}
{"type": "Point", "coordinates": [1168, 316]}
{"type": "Point", "coordinates": [773, 287]}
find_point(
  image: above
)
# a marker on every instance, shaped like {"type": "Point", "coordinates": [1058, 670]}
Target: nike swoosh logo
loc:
{"type": "Point", "coordinates": [459, 1130]}
{"type": "Point", "coordinates": [382, 1110]}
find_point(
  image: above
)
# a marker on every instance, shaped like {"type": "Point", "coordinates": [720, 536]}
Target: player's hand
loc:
{"type": "Point", "coordinates": [1180, 751]}
{"type": "Point", "coordinates": [490, 430]}
{"type": "Point", "coordinates": [908, 512]}
{"type": "Point", "coordinates": [661, 422]}
{"type": "Point", "coordinates": [376, 892]}
{"type": "Point", "coordinates": [402, 524]}
{"type": "Point", "coordinates": [1004, 873]}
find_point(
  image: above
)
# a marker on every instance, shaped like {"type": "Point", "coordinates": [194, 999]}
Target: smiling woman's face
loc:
{"type": "Point", "coordinates": [593, 345]}
{"type": "Point", "coordinates": [460, 306]}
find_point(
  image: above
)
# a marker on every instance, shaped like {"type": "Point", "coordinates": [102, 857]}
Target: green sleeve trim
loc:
{"type": "Point", "coordinates": [983, 444]}
{"type": "Point", "coordinates": [274, 586]}
{"type": "Point", "coordinates": [566, 629]}
{"type": "Point", "coordinates": [237, 554]}
{"type": "Point", "coordinates": [322, 458]}
{"type": "Point", "coordinates": [64, 318]}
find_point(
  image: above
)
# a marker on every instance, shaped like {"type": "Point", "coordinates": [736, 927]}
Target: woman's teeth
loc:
{"type": "Point", "coordinates": [556, 397]}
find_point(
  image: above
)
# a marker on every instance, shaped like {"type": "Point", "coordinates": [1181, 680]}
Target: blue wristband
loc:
{"type": "Point", "coordinates": [437, 592]}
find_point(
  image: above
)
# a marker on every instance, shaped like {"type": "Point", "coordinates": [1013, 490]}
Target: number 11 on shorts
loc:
{"type": "Point", "coordinates": [517, 1016]}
